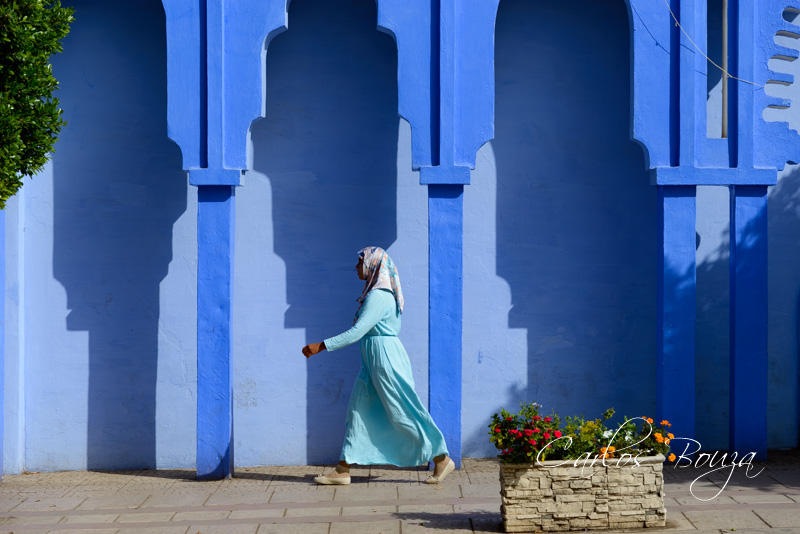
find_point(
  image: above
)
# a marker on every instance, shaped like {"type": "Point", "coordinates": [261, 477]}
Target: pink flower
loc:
{"type": "Point", "coordinates": [547, 435]}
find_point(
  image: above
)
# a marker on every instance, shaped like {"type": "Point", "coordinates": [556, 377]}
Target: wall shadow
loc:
{"type": "Point", "coordinates": [118, 189]}
{"type": "Point", "coordinates": [328, 146]}
{"type": "Point", "coordinates": [576, 215]}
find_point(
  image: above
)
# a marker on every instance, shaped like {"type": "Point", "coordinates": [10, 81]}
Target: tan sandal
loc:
{"type": "Point", "coordinates": [322, 479]}
{"type": "Point", "coordinates": [447, 470]}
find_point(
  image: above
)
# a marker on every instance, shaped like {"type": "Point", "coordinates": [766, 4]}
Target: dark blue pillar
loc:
{"type": "Point", "coordinates": [748, 320]}
{"type": "Point", "coordinates": [215, 230]}
{"type": "Point", "coordinates": [676, 308]}
{"type": "Point", "coordinates": [445, 224]}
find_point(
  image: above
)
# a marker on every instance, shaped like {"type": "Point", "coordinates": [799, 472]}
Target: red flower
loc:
{"type": "Point", "coordinates": [557, 433]}
{"type": "Point", "coordinates": [548, 445]}
{"type": "Point", "coordinates": [528, 431]}
{"type": "Point", "coordinates": [536, 417]}
{"type": "Point", "coordinates": [547, 435]}
{"type": "Point", "coordinates": [509, 418]}
{"type": "Point", "coordinates": [532, 441]}
{"type": "Point", "coordinates": [536, 430]}
{"type": "Point", "coordinates": [548, 419]}
{"type": "Point", "coordinates": [497, 430]}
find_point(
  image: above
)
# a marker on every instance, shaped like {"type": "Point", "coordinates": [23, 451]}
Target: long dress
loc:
{"type": "Point", "coordinates": [386, 422]}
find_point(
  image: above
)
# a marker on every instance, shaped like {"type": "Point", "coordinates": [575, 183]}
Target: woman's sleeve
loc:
{"type": "Point", "coordinates": [371, 313]}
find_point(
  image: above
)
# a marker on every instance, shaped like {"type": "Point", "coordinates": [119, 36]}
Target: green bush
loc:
{"type": "Point", "coordinates": [30, 117]}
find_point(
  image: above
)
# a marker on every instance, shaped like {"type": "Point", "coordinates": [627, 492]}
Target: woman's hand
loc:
{"type": "Point", "coordinates": [313, 348]}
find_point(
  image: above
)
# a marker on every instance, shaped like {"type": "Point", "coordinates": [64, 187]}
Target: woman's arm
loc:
{"type": "Point", "coordinates": [371, 313]}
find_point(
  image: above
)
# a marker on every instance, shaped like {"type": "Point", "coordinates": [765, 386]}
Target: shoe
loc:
{"type": "Point", "coordinates": [322, 479]}
{"type": "Point", "coordinates": [447, 470]}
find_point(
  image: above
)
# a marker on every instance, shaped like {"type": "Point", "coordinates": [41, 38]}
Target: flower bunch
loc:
{"type": "Point", "coordinates": [527, 436]}
{"type": "Point", "coordinates": [520, 437]}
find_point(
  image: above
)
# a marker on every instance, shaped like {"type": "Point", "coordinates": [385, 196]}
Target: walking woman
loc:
{"type": "Point", "coordinates": [386, 422]}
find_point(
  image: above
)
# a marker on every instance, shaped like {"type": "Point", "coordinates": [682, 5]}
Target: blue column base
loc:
{"type": "Point", "coordinates": [748, 321]}
{"type": "Point", "coordinates": [445, 234]}
{"type": "Point", "coordinates": [215, 227]}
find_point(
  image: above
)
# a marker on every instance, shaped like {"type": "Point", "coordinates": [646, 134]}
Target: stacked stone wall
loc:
{"type": "Point", "coordinates": [549, 497]}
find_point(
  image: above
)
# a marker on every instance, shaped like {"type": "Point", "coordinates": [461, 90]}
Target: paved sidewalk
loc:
{"type": "Point", "coordinates": [283, 499]}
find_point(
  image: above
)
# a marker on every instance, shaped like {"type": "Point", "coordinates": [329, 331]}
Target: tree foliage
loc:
{"type": "Point", "coordinates": [30, 116]}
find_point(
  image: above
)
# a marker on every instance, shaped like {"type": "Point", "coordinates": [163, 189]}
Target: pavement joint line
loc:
{"type": "Point", "coordinates": [762, 519]}
{"type": "Point", "coordinates": [733, 506]}
{"type": "Point", "coordinates": [206, 522]}
{"type": "Point", "coordinates": [264, 506]}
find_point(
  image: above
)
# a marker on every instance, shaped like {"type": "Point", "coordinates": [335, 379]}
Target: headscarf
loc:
{"type": "Point", "coordinates": [381, 274]}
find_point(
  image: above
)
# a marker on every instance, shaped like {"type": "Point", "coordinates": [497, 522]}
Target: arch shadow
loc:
{"type": "Point", "coordinates": [118, 190]}
{"type": "Point", "coordinates": [576, 217]}
{"type": "Point", "coordinates": [328, 147]}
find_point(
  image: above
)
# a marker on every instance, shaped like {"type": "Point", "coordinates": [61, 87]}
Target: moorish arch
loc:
{"type": "Point", "coordinates": [446, 92]}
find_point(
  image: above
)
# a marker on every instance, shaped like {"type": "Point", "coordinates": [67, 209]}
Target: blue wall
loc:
{"type": "Point", "coordinates": [560, 244]}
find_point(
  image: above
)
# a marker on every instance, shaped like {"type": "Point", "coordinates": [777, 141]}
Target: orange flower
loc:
{"type": "Point", "coordinates": [671, 457]}
{"type": "Point", "coordinates": [611, 448]}
{"type": "Point", "coordinates": [665, 423]}
{"type": "Point", "coordinates": [670, 435]}
{"type": "Point", "coordinates": [659, 437]}
{"type": "Point", "coordinates": [666, 442]}
{"type": "Point", "coordinates": [649, 420]}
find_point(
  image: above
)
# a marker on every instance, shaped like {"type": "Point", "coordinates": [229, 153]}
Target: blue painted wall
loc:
{"type": "Point", "coordinates": [560, 244]}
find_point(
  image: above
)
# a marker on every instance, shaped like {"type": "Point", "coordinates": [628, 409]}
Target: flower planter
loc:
{"type": "Point", "coordinates": [550, 497]}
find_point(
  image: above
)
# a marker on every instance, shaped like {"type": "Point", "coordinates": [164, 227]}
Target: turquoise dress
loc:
{"type": "Point", "coordinates": [386, 422]}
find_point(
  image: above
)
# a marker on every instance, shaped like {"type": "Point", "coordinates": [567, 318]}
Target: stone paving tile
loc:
{"type": "Point", "coordinates": [90, 518]}
{"type": "Point", "coordinates": [481, 490]}
{"type": "Point", "coordinates": [201, 515]}
{"type": "Point", "coordinates": [690, 500]}
{"type": "Point", "coordinates": [34, 504]}
{"type": "Point", "coordinates": [780, 517]}
{"type": "Point", "coordinates": [388, 526]}
{"type": "Point", "coordinates": [30, 520]}
{"type": "Point", "coordinates": [307, 494]}
{"type": "Point", "coordinates": [435, 524]}
{"type": "Point", "coordinates": [223, 529]}
{"type": "Point", "coordinates": [363, 493]}
{"type": "Point", "coordinates": [177, 500]}
{"type": "Point", "coordinates": [258, 514]}
{"type": "Point", "coordinates": [749, 498]}
{"type": "Point", "coordinates": [442, 509]}
{"type": "Point", "coordinates": [7, 502]}
{"type": "Point", "coordinates": [725, 519]}
{"type": "Point", "coordinates": [313, 512]}
{"type": "Point", "coordinates": [145, 517]}
{"type": "Point", "coordinates": [677, 521]}
{"type": "Point", "coordinates": [475, 465]}
{"type": "Point", "coordinates": [386, 475]}
{"type": "Point", "coordinates": [113, 501]}
{"type": "Point", "coordinates": [367, 510]}
{"type": "Point", "coordinates": [795, 530]}
{"type": "Point", "coordinates": [426, 491]}
{"type": "Point", "coordinates": [480, 508]}
{"type": "Point", "coordinates": [153, 530]}
{"type": "Point", "coordinates": [236, 497]}
{"type": "Point", "coordinates": [81, 531]}
{"type": "Point", "coordinates": [307, 528]}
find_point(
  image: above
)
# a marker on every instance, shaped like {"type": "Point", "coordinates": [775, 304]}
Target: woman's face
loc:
{"type": "Point", "coordinates": [360, 269]}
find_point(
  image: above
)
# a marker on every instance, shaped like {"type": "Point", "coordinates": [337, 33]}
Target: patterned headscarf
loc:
{"type": "Point", "coordinates": [381, 274]}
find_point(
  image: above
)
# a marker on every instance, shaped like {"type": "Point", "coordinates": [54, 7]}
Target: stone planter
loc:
{"type": "Point", "coordinates": [548, 497]}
